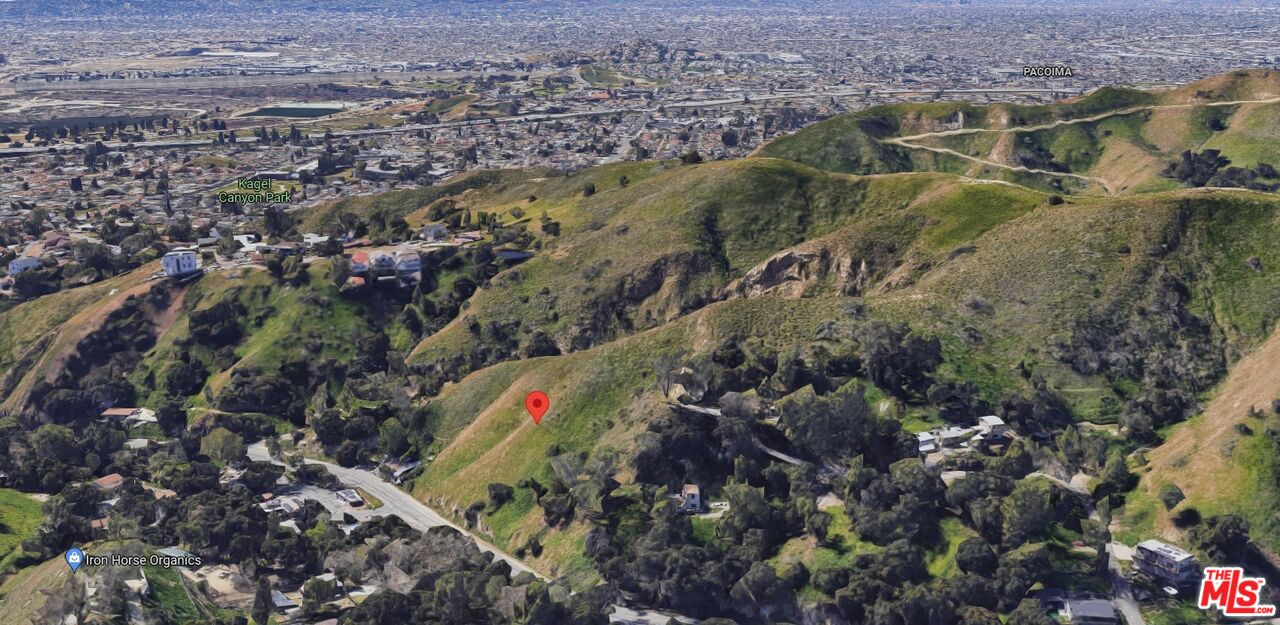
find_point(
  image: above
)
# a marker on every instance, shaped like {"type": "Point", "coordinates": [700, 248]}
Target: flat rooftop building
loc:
{"type": "Point", "coordinates": [1166, 562]}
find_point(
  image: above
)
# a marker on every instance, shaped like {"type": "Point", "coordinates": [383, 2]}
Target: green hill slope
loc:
{"type": "Point", "coordinates": [1110, 141]}
{"type": "Point", "coordinates": [657, 249]}
{"type": "Point", "coordinates": [1009, 282]}
{"type": "Point", "coordinates": [836, 258]}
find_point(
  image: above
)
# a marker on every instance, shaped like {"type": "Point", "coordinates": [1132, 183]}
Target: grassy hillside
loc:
{"type": "Point", "coordinates": [1001, 275]}
{"type": "Point", "coordinates": [385, 207]}
{"type": "Point", "coordinates": [636, 257]}
{"type": "Point", "coordinates": [281, 320]}
{"type": "Point", "coordinates": [1224, 460]}
{"type": "Point", "coordinates": [1112, 140]}
{"type": "Point", "coordinates": [1099, 300]}
{"type": "Point", "coordinates": [19, 517]}
{"type": "Point", "coordinates": [601, 398]}
{"type": "Point", "coordinates": [23, 594]}
{"type": "Point", "coordinates": [38, 336]}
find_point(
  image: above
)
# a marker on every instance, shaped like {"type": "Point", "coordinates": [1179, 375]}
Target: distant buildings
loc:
{"type": "Point", "coordinates": [23, 263]}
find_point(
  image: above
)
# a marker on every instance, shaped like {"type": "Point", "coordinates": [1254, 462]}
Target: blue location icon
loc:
{"type": "Point", "coordinates": [75, 558]}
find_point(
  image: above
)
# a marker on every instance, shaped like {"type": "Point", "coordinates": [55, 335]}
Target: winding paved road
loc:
{"type": "Point", "coordinates": [398, 503]}
{"type": "Point", "coordinates": [421, 517]}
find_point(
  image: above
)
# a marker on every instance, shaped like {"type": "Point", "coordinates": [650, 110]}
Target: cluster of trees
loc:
{"type": "Point", "coordinates": [126, 129]}
{"type": "Point", "coordinates": [1210, 168]}
{"type": "Point", "coordinates": [643, 545]}
{"type": "Point", "coordinates": [354, 438]}
{"type": "Point", "coordinates": [1156, 340]}
{"type": "Point", "coordinates": [94, 375]}
{"type": "Point", "coordinates": [451, 581]}
{"type": "Point", "coordinates": [651, 551]}
{"type": "Point", "coordinates": [437, 577]}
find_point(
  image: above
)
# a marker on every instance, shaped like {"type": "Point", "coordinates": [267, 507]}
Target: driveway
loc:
{"type": "Point", "coordinates": [1122, 592]}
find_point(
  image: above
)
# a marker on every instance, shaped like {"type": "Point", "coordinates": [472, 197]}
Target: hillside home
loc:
{"type": "Point", "coordinates": [109, 483]}
{"type": "Point", "coordinates": [282, 604]}
{"type": "Point", "coordinates": [408, 261]}
{"type": "Point", "coordinates": [287, 506]}
{"type": "Point", "coordinates": [180, 262]}
{"type": "Point", "coordinates": [952, 436]}
{"type": "Point", "coordinates": [1167, 563]}
{"type": "Point", "coordinates": [383, 263]}
{"type": "Point", "coordinates": [1091, 612]}
{"type": "Point", "coordinates": [310, 239]}
{"type": "Point", "coordinates": [131, 416]}
{"type": "Point", "coordinates": [992, 426]}
{"type": "Point", "coordinates": [359, 263]}
{"type": "Point", "coordinates": [690, 498]}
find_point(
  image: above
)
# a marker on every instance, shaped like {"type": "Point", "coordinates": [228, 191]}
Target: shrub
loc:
{"type": "Point", "coordinates": [1171, 496]}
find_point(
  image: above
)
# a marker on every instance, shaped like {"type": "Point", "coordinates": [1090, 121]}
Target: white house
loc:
{"type": "Point", "coordinates": [180, 262]}
{"type": "Point", "coordinates": [992, 426]}
{"type": "Point", "coordinates": [928, 442]}
{"type": "Point", "coordinates": [691, 498]}
{"type": "Point", "coordinates": [311, 239]}
{"type": "Point", "coordinates": [23, 263]}
{"type": "Point", "coordinates": [288, 506]}
{"type": "Point", "coordinates": [1165, 562]}
{"type": "Point", "coordinates": [952, 436]}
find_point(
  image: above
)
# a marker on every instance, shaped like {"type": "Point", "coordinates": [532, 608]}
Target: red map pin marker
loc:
{"type": "Point", "coordinates": [537, 403]}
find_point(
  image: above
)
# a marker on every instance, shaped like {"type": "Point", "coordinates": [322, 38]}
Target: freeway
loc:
{"type": "Point", "coordinates": [257, 80]}
{"type": "Point", "coordinates": [421, 517]}
{"type": "Point", "coordinates": [537, 117]}
{"type": "Point", "coordinates": [846, 93]}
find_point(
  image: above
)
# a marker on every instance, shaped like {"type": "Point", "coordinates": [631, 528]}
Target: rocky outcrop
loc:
{"type": "Point", "coordinates": [789, 273]}
{"type": "Point", "coordinates": [789, 269]}
{"type": "Point", "coordinates": [655, 294]}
